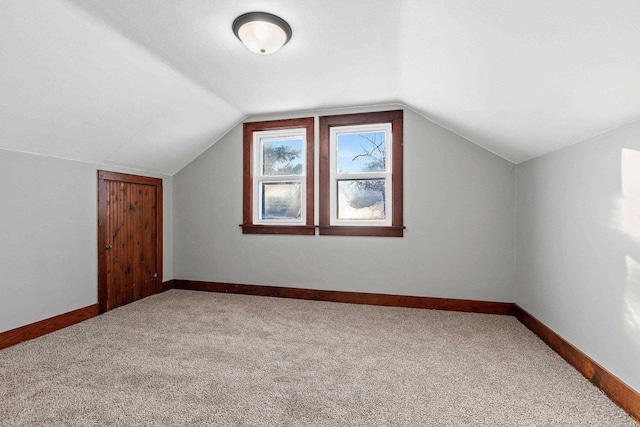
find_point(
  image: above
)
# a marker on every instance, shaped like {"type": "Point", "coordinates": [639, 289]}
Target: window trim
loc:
{"type": "Point", "coordinates": [249, 226]}
{"type": "Point", "coordinates": [396, 229]}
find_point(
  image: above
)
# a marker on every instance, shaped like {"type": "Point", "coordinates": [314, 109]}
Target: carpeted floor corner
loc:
{"type": "Point", "coordinates": [185, 358]}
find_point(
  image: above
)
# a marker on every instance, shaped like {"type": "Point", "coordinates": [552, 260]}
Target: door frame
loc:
{"type": "Point", "coordinates": [104, 176]}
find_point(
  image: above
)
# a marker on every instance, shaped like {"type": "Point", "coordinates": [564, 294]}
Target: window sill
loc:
{"type": "Point", "coordinates": [304, 230]}
{"type": "Point", "coordinates": [325, 230]}
{"type": "Point", "coordinates": [345, 230]}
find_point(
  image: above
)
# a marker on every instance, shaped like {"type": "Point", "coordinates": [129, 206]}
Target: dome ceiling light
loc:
{"type": "Point", "coordinates": [261, 32]}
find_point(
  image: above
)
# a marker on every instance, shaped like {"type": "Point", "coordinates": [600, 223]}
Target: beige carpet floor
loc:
{"type": "Point", "coordinates": [187, 358]}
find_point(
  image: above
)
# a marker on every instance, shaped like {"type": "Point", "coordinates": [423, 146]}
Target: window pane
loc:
{"type": "Point", "coordinates": [361, 199]}
{"type": "Point", "coordinates": [281, 200]}
{"type": "Point", "coordinates": [282, 157]}
{"type": "Point", "coordinates": [361, 152]}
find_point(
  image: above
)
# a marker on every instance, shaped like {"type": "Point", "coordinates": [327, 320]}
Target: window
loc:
{"type": "Point", "coordinates": [361, 174]}
{"type": "Point", "coordinates": [278, 177]}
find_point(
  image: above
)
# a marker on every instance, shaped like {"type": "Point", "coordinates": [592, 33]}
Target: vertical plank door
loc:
{"type": "Point", "coordinates": [129, 238]}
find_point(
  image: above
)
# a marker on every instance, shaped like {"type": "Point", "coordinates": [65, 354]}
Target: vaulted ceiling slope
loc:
{"type": "Point", "coordinates": [151, 84]}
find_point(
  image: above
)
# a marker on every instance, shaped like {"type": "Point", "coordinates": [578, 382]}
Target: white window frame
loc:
{"type": "Point", "coordinates": [387, 175]}
{"type": "Point", "coordinates": [258, 178]}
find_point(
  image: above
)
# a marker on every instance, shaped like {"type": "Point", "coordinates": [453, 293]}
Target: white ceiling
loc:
{"type": "Point", "coordinates": [150, 84]}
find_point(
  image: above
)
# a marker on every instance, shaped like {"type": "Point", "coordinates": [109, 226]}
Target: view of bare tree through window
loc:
{"type": "Point", "coordinates": [372, 152]}
{"type": "Point", "coordinates": [361, 152]}
{"type": "Point", "coordinates": [361, 198]}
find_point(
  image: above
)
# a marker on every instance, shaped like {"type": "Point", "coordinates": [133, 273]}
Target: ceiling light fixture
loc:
{"type": "Point", "coordinates": [261, 32]}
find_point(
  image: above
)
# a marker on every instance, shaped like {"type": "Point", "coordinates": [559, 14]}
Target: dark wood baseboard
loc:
{"type": "Point", "coordinates": [46, 326]}
{"type": "Point", "coordinates": [43, 327]}
{"type": "Point", "coordinates": [471, 306]}
{"type": "Point", "coordinates": [619, 392]}
{"type": "Point", "coordinates": [169, 284]}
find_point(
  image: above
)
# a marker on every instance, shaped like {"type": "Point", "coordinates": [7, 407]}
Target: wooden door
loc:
{"type": "Point", "coordinates": [129, 238]}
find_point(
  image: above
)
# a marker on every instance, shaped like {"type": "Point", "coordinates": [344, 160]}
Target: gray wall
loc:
{"type": "Point", "coordinates": [459, 213]}
{"type": "Point", "coordinates": [578, 247]}
{"type": "Point", "coordinates": [48, 236]}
